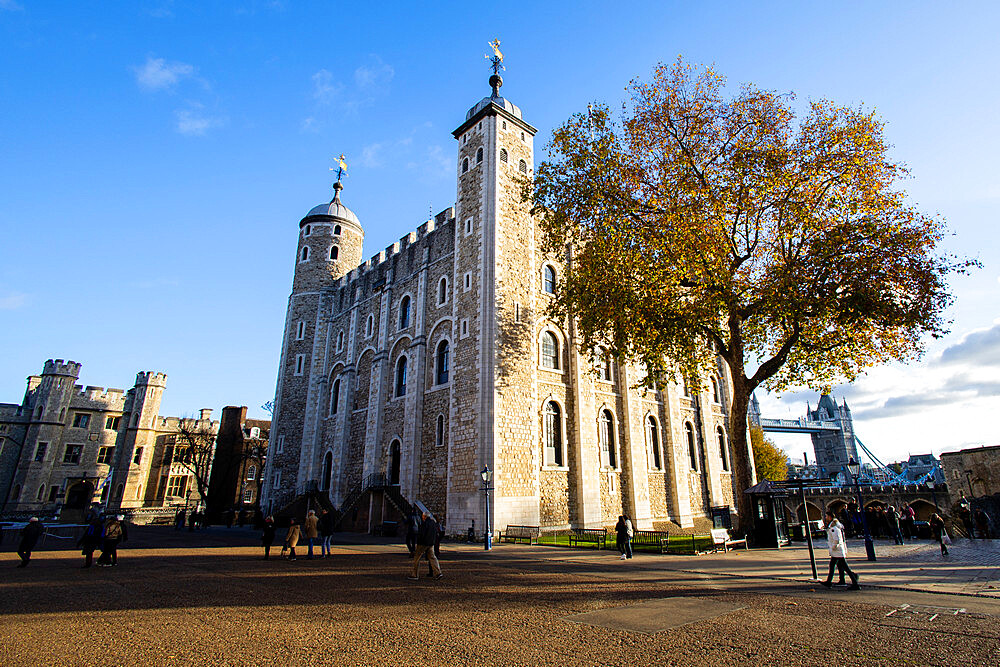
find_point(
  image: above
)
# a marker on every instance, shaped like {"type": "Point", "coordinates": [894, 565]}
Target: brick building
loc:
{"type": "Point", "coordinates": [238, 464]}
{"type": "Point", "coordinates": [972, 473]}
{"type": "Point", "coordinates": [65, 446]}
{"type": "Point", "coordinates": [434, 359]}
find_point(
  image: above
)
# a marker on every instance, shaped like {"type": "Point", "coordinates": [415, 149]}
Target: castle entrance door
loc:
{"type": "Point", "coordinates": [79, 495]}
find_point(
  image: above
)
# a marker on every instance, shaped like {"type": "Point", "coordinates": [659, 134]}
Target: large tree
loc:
{"type": "Point", "coordinates": [700, 224]}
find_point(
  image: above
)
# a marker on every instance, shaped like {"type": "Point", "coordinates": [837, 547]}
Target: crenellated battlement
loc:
{"type": "Point", "coordinates": [100, 393]}
{"type": "Point", "coordinates": [151, 378]}
{"type": "Point", "coordinates": [60, 367]}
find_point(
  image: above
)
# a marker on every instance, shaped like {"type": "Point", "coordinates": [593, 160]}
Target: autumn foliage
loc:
{"type": "Point", "coordinates": [700, 224]}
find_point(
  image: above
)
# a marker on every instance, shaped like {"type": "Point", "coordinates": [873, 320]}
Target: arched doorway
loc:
{"type": "Point", "coordinates": [80, 495]}
{"type": "Point", "coordinates": [394, 463]}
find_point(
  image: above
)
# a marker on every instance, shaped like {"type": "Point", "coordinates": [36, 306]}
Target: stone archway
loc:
{"type": "Point", "coordinates": [79, 496]}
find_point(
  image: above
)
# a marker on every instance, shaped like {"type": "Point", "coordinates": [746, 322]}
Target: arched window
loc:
{"type": "Point", "coordinates": [479, 155]}
{"type": "Point", "coordinates": [370, 326]}
{"type": "Point", "coordinates": [334, 252]}
{"type": "Point", "coordinates": [327, 470]}
{"type": "Point", "coordinates": [251, 472]}
{"type": "Point", "coordinates": [503, 155]}
{"type": "Point", "coordinates": [549, 279]}
{"type": "Point", "coordinates": [722, 448]}
{"type": "Point", "coordinates": [308, 230]}
{"type": "Point", "coordinates": [401, 377]}
{"type": "Point", "coordinates": [442, 362]}
{"type": "Point", "coordinates": [716, 394]}
{"type": "Point", "coordinates": [340, 341]}
{"type": "Point", "coordinates": [305, 253]}
{"type": "Point", "coordinates": [439, 431]}
{"type": "Point", "coordinates": [692, 454]}
{"type": "Point", "coordinates": [465, 165]}
{"type": "Point", "coordinates": [522, 166]}
{"type": "Point", "coordinates": [606, 438]}
{"type": "Point", "coordinates": [394, 457]}
{"type": "Point", "coordinates": [443, 291]}
{"type": "Point", "coordinates": [653, 434]}
{"type": "Point", "coordinates": [404, 312]}
{"type": "Point", "coordinates": [550, 350]}
{"type": "Point", "coordinates": [553, 434]}
{"type": "Point", "coordinates": [335, 397]}
{"type": "Point", "coordinates": [336, 230]}
{"type": "Point", "coordinates": [41, 493]}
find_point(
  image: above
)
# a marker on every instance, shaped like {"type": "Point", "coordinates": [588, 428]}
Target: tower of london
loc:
{"type": "Point", "coordinates": [434, 359]}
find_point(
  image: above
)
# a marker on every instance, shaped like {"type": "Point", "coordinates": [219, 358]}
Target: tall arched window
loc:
{"type": "Point", "coordinates": [404, 312]}
{"type": "Point", "coordinates": [522, 166]}
{"type": "Point", "coordinates": [653, 434]}
{"type": "Point", "coordinates": [394, 460]}
{"type": "Point", "coordinates": [722, 448]}
{"type": "Point", "coordinates": [479, 155]}
{"type": "Point", "coordinates": [370, 326]}
{"type": "Point", "coordinates": [305, 253]}
{"type": "Point", "coordinates": [401, 377]}
{"type": "Point", "coordinates": [340, 341]}
{"type": "Point", "coordinates": [550, 350]}
{"type": "Point", "coordinates": [692, 452]}
{"type": "Point", "coordinates": [336, 230]}
{"type": "Point", "coordinates": [327, 470]}
{"type": "Point", "coordinates": [503, 155]}
{"type": "Point", "coordinates": [606, 438]}
{"type": "Point", "coordinates": [334, 252]}
{"type": "Point", "coordinates": [335, 397]}
{"type": "Point", "coordinates": [605, 364]}
{"type": "Point", "coordinates": [443, 350]}
{"type": "Point", "coordinates": [439, 431]}
{"type": "Point", "coordinates": [41, 493]}
{"type": "Point", "coordinates": [251, 472]}
{"type": "Point", "coordinates": [443, 291]}
{"type": "Point", "coordinates": [549, 279]}
{"type": "Point", "coordinates": [553, 434]}
{"type": "Point", "coordinates": [465, 165]}
{"type": "Point", "coordinates": [716, 394]}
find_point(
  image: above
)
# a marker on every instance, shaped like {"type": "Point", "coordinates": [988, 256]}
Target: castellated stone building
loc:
{"type": "Point", "coordinates": [433, 359]}
{"type": "Point", "coordinates": [65, 446]}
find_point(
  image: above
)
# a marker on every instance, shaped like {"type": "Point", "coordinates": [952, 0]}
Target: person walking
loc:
{"type": "Point", "coordinates": [629, 532]}
{"type": "Point", "coordinates": [425, 545]}
{"type": "Point", "coordinates": [91, 539]}
{"type": "Point", "coordinates": [311, 528]}
{"type": "Point", "coordinates": [909, 516]}
{"type": "Point", "coordinates": [267, 536]}
{"type": "Point", "coordinates": [114, 534]}
{"type": "Point", "coordinates": [837, 545]}
{"type": "Point", "coordinates": [939, 532]}
{"type": "Point", "coordinates": [412, 528]}
{"type": "Point", "coordinates": [292, 539]}
{"type": "Point", "coordinates": [179, 519]}
{"type": "Point", "coordinates": [620, 536]}
{"type": "Point", "coordinates": [29, 538]}
{"type": "Point", "coordinates": [326, 531]}
{"type": "Point", "coordinates": [892, 517]}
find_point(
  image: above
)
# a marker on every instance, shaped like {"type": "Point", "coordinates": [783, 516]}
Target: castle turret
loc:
{"type": "Point", "coordinates": [133, 453]}
{"type": "Point", "coordinates": [330, 240]}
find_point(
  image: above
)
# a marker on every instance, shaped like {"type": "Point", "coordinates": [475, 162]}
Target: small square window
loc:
{"type": "Point", "coordinates": [137, 457]}
{"type": "Point", "coordinates": [40, 451]}
{"type": "Point", "coordinates": [72, 454]}
{"type": "Point", "coordinates": [81, 420]}
{"type": "Point", "coordinates": [112, 423]}
{"type": "Point", "coordinates": [105, 455]}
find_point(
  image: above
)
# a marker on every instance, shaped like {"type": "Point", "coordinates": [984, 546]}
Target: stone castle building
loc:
{"type": "Point", "coordinates": [434, 359]}
{"type": "Point", "coordinates": [65, 446]}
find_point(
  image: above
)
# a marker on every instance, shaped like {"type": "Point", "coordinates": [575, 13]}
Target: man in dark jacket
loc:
{"type": "Point", "coordinates": [326, 531]}
{"type": "Point", "coordinates": [412, 528]}
{"type": "Point", "coordinates": [425, 545]}
{"type": "Point", "coordinates": [29, 538]}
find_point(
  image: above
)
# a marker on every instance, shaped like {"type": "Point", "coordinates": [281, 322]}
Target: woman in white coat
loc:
{"type": "Point", "coordinates": [838, 552]}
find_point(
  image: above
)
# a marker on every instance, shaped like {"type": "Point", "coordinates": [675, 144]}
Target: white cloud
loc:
{"type": "Point", "coordinates": [158, 74]}
{"type": "Point", "coordinates": [370, 157]}
{"type": "Point", "coordinates": [374, 76]}
{"type": "Point", "coordinates": [192, 122]}
{"type": "Point", "coordinates": [325, 90]}
{"type": "Point", "coordinates": [12, 300]}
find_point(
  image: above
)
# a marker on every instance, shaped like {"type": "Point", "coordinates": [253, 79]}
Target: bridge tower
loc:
{"type": "Point", "coordinates": [834, 448]}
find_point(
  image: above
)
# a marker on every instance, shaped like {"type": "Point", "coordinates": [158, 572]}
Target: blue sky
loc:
{"type": "Point", "coordinates": [156, 157]}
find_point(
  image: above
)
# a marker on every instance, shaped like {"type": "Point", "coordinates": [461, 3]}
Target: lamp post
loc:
{"type": "Point", "coordinates": [855, 469]}
{"type": "Point", "coordinates": [487, 476]}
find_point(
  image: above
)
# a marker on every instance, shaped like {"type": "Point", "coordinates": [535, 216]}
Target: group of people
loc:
{"type": "Point", "coordinates": [883, 522]}
{"type": "Point", "coordinates": [315, 528]}
{"type": "Point", "coordinates": [103, 534]}
{"type": "Point", "coordinates": [976, 522]}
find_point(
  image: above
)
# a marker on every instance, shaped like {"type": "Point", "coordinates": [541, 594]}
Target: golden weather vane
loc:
{"type": "Point", "coordinates": [497, 58]}
{"type": "Point", "coordinates": [341, 168]}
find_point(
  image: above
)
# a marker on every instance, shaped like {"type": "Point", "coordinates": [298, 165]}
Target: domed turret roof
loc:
{"type": "Point", "coordinates": [501, 102]}
{"type": "Point", "coordinates": [334, 209]}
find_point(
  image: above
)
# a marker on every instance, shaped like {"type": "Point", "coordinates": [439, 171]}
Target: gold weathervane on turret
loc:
{"type": "Point", "coordinates": [497, 58]}
{"type": "Point", "coordinates": [341, 168]}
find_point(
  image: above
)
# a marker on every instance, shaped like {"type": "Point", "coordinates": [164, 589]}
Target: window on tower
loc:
{"type": "Point", "coordinates": [479, 155]}
{"type": "Point", "coordinates": [503, 155]}
{"type": "Point", "coordinates": [305, 254]}
{"type": "Point", "coordinates": [465, 165]}
{"type": "Point", "coordinates": [404, 313]}
{"type": "Point", "coordinates": [401, 377]}
{"type": "Point", "coordinates": [336, 230]}
{"type": "Point", "coordinates": [522, 166]}
{"type": "Point", "coordinates": [334, 252]}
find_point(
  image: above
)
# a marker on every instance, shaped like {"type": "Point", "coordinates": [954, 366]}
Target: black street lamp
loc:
{"type": "Point", "coordinates": [855, 469]}
{"type": "Point", "coordinates": [487, 476]}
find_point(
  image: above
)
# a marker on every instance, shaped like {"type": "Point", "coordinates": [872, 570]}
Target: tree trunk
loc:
{"type": "Point", "coordinates": [744, 475]}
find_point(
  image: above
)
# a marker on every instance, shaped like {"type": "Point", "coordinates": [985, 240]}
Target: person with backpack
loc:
{"type": "Point", "coordinates": [114, 534]}
{"type": "Point", "coordinates": [91, 539]}
{"type": "Point", "coordinates": [837, 544]}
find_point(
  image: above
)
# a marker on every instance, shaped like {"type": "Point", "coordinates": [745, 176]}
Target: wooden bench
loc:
{"type": "Point", "coordinates": [721, 539]}
{"type": "Point", "coordinates": [386, 529]}
{"type": "Point", "coordinates": [515, 533]}
{"type": "Point", "coordinates": [596, 536]}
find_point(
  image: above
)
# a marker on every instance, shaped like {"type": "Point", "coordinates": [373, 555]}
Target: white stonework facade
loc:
{"type": "Point", "coordinates": [434, 358]}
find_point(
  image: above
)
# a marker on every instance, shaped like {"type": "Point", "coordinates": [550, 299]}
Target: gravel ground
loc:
{"type": "Point", "coordinates": [223, 605]}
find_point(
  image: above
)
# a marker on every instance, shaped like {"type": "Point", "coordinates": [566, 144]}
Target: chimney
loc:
{"type": "Point", "coordinates": [206, 414]}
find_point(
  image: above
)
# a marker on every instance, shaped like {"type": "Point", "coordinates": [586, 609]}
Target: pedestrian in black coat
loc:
{"type": "Point", "coordinates": [267, 537]}
{"type": "Point", "coordinates": [29, 538]}
{"type": "Point", "coordinates": [91, 539]}
{"type": "Point", "coordinates": [412, 528]}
